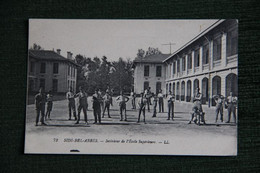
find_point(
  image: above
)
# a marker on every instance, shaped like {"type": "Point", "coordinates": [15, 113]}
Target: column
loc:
{"type": "Point", "coordinates": [192, 61]}
{"type": "Point", "coordinates": [211, 55]}
{"type": "Point", "coordinates": [223, 50]}
{"type": "Point", "coordinates": [186, 68]}
{"type": "Point", "coordinates": [201, 54]}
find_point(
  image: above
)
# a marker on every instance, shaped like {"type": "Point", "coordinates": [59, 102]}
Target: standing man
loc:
{"type": "Point", "coordinates": [107, 100]}
{"type": "Point", "coordinates": [83, 104]}
{"type": "Point", "coordinates": [155, 100]}
{"type": "Point", "coordinates": [231, 103]}
{"type": "Point", "coordinates": [170, 99]}
{"type": "Point", "coordinates": [71, 105]}
{"type": "Point", "coordinates": [197, 105]}
{"type": "Point", "coordinates": [160, 97]}
{"type": "Point", "coordinates": [141, 103]}
{"type": "Point", "coordinates": [96, 107]}
{"type": "Point", "coordinates": [122, 99]}
{"type": "Point", "coordinates": [133, 96]}
{"type": "Point", "coordinates": [147, 94]}
{"type": "Point", "coordinates": [101, 101]}
{"type": "Point", "coordinates": [219, 99]}
{"type": "Point", "coordinates": [49, 105]}
{"type": "Point", "coordinates": [40, 100]}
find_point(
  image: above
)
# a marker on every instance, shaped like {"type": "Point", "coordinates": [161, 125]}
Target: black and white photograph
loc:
{"type": "Point", "coordinates": [132, 87]}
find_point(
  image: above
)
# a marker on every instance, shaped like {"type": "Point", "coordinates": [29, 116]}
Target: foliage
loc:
{"type": "Point", "coordinates": [36, 47]}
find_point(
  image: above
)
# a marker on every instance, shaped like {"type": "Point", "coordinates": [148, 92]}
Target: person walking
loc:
{"type": "Point", "coordinates": [71, 104]}
{"type": "Point", "coordinates": [122, 99]}
{"type": "Point", "coordinates": [231, 106]}
{"type": "Point", "coordinates": [49, 105]}
{"type": "Point", "coordinates": [170, 100]}
{"type": "Point", "coordinates": [83, 104]}
{"type": "Point", "coordinates": [142, 103]}
{"type": "Point", "coordinates": [161, 104]}
{"type": "Point", "coordinates": [40, 100]}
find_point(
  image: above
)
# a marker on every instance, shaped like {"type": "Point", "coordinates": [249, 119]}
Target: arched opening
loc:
{"type": "Point", "coordinates": [173, 88]}
{"type": "Point", "coordinates": [195, 85]}
{"type": "Point", "coordinates": [205, 91]}
{"type": "Point", "coordinates": [216, 88]}
{"type": "Point", "coordinates": [178, 91]}
{"type": "Point", "coordinates": [146, 85]}
{"type": "Point", "coordinates": [182, 91]}
{"type": "Point", "coordinates": [231, 84]}
{"type": "Point", "coordinates": [170, 86]}
{"type": "Point", "coordinates": [188, 97]}
{"type": "Point", "coordinates": [166, 88]}
{"type": "Point", "coordinates": [158, 87]}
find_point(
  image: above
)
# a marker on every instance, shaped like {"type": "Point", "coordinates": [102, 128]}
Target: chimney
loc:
{"type": "Point", "coordinates": [68, 55]}
{"type": "Point", "coordinates": [71, 55]}
{"type": "Point", "coordinates": [58, 51]}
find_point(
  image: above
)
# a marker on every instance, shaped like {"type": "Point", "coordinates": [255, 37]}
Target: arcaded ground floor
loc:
{"type": "Point", "coordinates": [157, 136]}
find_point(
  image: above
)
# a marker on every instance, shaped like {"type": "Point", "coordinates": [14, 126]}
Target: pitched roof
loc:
{"type": "Point", "coordinates": [49, 55]}
{"type": "Point", "coordinates": [156, 58]}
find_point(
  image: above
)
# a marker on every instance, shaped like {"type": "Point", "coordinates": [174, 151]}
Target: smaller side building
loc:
{"type": "Point", "coordinates": [150, 71]}
{"type": "Point", "coordinates": [51, 71]}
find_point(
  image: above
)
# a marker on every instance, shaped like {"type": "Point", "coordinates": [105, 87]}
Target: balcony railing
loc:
{"type": "Point", "coordinates": [217, 63]}
{"type": "Point", "coordinates": [205, 67]}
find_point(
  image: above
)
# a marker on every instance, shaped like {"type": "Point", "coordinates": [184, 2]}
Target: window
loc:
{"type": "Point", "coordinates": [189, 61]}
{"type": "Point", "coordinates": [205, 56]}
{"type": "Point", "coordinates": [68, 70]}
{"type": "Point", "coordinates": [217, 49]}
{"type": "Point", "coordinates": [43, 67]}
{"type": "Point", "coordinates": [68, 84]}
{"type": "Point", "coordinates": [178, 65]}
{"type": "Point", "coordinates": [197, 58]}
{"type": "Point", "coordinates": [158, 87]}
{"type": "Point", "coordinates": [183, 64]}
{"type": "Point", "coordinates": [54, 85]}
{"type": "Point", "coordinates": [146, 70]}
{"type": "Point", "coordinates": [32, 66]}
{"type": "Point", "coordinates": [158, 71]}
{"type": "Point", "coordinates": [55, 68]}
{"type": "Point", "coordinates": [174, 67]}
{"type": "Point", "coordinates": [146, 85]}
{"type": "Point", "coordinates": [42, 83]}
{"type": "Point", "coordinates": [232, 42]}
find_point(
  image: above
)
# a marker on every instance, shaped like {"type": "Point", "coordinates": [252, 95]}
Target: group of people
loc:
{"type": "Point", "coordinates": [101, 104]}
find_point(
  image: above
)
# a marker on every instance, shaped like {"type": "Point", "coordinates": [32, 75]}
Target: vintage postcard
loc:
{"type": "Point", "coordinates": [132, 87]}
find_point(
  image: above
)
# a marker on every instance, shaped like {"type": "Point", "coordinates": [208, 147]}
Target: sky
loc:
{"type": "Point", "coordinates": [113, 38]}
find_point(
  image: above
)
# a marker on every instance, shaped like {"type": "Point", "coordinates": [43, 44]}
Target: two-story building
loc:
{"type": "Point", "coordinates": [51, 71]}
{"type": "Point", "coordinates": [150, 72]}
{"type": "Point", "coordinates": [208, 61]}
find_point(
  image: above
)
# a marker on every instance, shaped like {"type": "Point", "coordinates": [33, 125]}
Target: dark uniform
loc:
{"type": "Point", "coordinates": [231, 102]}
{"type": "Point", "coordinates": [96, 107]}
{"type": "Point", "coordinates": [219, 99]}
{"type": "Point", "coordinates": [83, 104]}
{"type": "Point", "coordinates": [155, 100]}
{"type": "Point", "coordinates": [40, 100]}
{"type": "Point", "coordinates": [161, 104]}
{"type": "Point", "coordinates": [170, 99]}
{"type": "Point", "coordinates": [71, 104]}
{"type": "Point", "coordinates": [107, 100]}
{"type": "Point", "coordinates": [49, 105]}
{"type": "Point", "coordinates": [142, 102]}
{"type": "Point", "coordinates": [197, 107]}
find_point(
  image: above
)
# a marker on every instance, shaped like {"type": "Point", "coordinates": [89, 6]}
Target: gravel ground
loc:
{"type": "Point", "coordinates": [186, 139]}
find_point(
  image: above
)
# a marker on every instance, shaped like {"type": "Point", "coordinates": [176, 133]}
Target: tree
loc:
{"type": "Point", "coordinates": [36, 47]}
{"type": "Point", "coordinates": [152, 51]}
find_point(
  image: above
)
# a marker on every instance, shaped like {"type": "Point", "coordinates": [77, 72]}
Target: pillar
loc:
{"type": "Point", "coordinates": [223, 50]}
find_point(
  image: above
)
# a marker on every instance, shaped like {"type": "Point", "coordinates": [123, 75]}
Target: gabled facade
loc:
{"type": "Point", "coordinates": [150, 72]}
{"type": "Point", "coordinates": [51, 71]}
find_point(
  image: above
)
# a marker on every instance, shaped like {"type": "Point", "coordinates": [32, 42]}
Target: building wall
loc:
{"type": "Point", "coordinates": [139, 77]}
{"type": "Point", "coordinates": [62, 76]}
{"type": "Point", "coordinates": [218, 72]}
